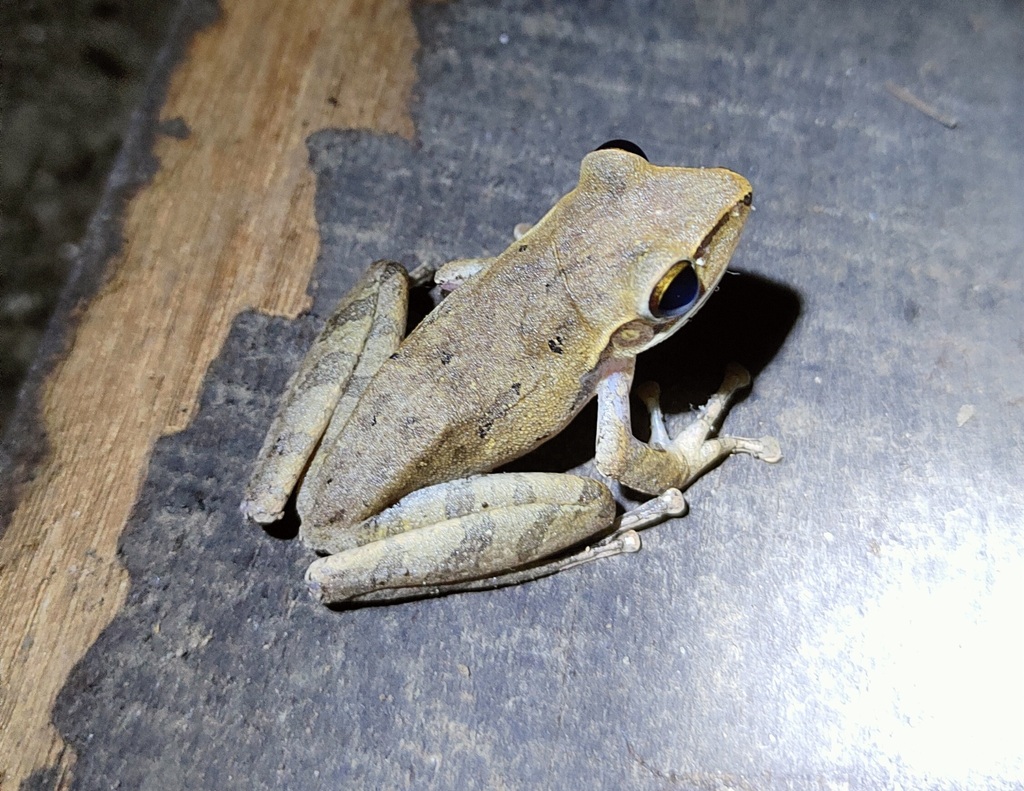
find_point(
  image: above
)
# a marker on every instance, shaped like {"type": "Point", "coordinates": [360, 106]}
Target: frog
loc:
{"type": "Point", "coordinates": [389, 442]}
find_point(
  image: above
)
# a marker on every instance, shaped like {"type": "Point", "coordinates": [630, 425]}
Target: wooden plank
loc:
{"type": "Point", "coordinates": [226, 225]}
{"type": "Point", "coordinates": [849, 617]}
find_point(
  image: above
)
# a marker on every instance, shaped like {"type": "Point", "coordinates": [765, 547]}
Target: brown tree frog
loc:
{"type": "Point", "coordinates": [388, 439]}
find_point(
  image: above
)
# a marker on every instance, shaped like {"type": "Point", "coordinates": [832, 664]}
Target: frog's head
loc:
{"type": "Point", "coordinates": [666, 236]}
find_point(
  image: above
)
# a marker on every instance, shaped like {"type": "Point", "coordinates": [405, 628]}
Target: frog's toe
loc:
{"type": "Point", "coordinates": [251, 508]}
{"type": "Point", "coordinates": [315, 587]}
{"type": "Point", "coordinates": [770, 450]}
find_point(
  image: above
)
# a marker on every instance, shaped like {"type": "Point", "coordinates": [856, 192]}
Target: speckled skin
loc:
{"type": "Point", "coordinates": [501, 365]}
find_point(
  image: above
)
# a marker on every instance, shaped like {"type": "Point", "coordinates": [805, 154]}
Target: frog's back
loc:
{"type": "Point", "coordinates": [476, 385]}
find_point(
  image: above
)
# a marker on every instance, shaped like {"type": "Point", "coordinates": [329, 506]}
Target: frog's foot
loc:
{"type": "Point", "coordinates": [422, 275]}
{"type": "Point", "coordinates": [624, 538]}
{"type": "Point", "coordinates": [668, 461]}
{"type": "Point", "coordinates": [695, 441]}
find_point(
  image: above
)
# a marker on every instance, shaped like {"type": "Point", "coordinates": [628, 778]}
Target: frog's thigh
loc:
{"type": "Point", "coordinates": [366, 327]}
{"type": "Point", "coordinates": [469, 529]}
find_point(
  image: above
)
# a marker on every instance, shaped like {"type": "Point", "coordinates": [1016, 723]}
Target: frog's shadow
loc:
{"type": "Point", "coordinates": [746, 322]}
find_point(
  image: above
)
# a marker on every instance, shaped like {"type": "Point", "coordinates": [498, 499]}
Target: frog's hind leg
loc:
{"type": "Point", "coordinates": [364, 330]}
{"type": "Point", "coordinates": [623, 539]}
{"type": "Point", "coordinates": [473, 533]}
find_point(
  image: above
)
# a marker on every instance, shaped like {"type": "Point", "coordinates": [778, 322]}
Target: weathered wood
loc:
{"type": "Point", "coordinates": [225, 225]}
{"type": "Point", "coordinates": [851, 617]}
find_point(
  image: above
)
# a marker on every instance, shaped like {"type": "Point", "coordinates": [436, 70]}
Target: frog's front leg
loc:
{"type": "Point", "coordinates": [474, 533]}
{"type": "Point", "coordinates": [667, 462]}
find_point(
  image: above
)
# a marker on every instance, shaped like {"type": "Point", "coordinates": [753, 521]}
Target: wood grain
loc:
{"type": "Point", "coordinates": [226, 225]}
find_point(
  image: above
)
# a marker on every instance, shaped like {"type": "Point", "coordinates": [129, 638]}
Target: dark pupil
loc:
{"type": "Point", "coordinates": [623, 145]}
{"type": "Point", "coordinates": [681, 292]}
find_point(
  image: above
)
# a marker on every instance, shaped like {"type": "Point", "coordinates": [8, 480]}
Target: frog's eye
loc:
{"type": "Point", "coordinates": [623, 145]}
{"type": "Point", "coordinates": [676, 293]}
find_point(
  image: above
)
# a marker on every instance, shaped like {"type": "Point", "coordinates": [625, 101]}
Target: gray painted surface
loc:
{"type": "Point", "coordinates": [850, 618]}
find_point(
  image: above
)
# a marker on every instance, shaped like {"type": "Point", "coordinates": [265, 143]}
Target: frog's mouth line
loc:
{"type": "Point", "coordinates": [707, 251]}
{"type": "Point", "coordinates": [742, 207]}
{"type": "Point", "coordinates": [736, 214]}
